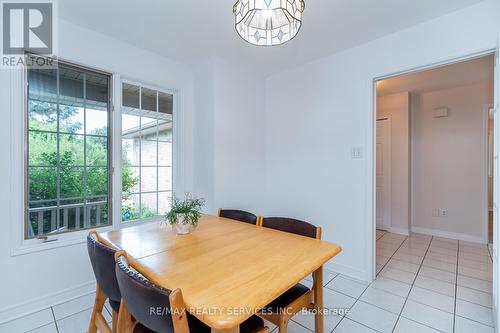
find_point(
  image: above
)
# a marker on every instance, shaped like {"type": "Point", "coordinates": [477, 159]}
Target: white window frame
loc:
{"type": "Point", "coordinates": [18, 189]}
{"type": "Point", "coordinates": [177, 125]}
{"type": "Point", "coordinates": [18, 94]}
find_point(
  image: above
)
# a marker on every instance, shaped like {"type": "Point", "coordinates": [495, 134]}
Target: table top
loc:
{"type": "Point", "coordinates": [226, 269]}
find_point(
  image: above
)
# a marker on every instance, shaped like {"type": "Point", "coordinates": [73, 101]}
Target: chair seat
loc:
{"type": "Point", "coordinates": [251, 325]}
{"type": "Point", "coordinates": [114, 305]}
{"type": "Point", "coordinates": [287, 298]}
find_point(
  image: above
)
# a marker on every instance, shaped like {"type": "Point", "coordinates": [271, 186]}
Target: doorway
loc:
{"type": "Point", "coordinates": [434, 160]}
{"type": "Point", "coordinates": [434, 151]}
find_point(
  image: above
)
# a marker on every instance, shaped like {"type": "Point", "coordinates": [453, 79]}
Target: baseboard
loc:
{"type": "Point", "coordinates": [400, 231]}
{"type": "Point", "coordinates": [348, 271]}
{"type": "Point", "coordinates": [448, 234]}
{"type": "Point", "coordinates": [40, 303]}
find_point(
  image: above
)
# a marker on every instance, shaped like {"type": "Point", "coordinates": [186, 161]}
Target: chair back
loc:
{"type": "Point", "coordinates": [147, 302]}
{"type": "Point", "coordinates": [293, 226]}
{"type": "Point", "coordinates": [102, 258]}
{"type": "Point", "coordinates": [238, 215]}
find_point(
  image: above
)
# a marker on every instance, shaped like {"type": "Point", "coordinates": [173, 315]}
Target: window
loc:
{"type": "Point", "coordinates": [147, 125]}
{"type": "Point", "coordinates": [68, 155]}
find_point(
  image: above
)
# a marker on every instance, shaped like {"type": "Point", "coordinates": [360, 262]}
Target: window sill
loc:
{"type": "Point", "coordinates": [70, 239]}
{"type": "Point", "coordinates": [29, 246]}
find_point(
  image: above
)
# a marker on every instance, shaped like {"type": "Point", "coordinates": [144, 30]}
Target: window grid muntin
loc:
{"type": "Point", "coordinates": [107, 78]}
{"type": "Point", "coordinates": [142, 138]}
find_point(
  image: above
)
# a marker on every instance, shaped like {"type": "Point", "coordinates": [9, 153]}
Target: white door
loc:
{"type": "Point", "coordinates": [383, 166]}
{"type": "Point", "coordinates": [496, 188]}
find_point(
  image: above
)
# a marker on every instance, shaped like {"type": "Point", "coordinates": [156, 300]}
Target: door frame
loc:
{"type": "Point", "coordinates": [372, 80]}
{"type": "Point", "coordinates": [486, 170]}
{"type": "Point", "coordinates": [389, 176]}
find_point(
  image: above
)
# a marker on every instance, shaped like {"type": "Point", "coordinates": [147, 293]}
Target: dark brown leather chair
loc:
{"type": "Point", "coordinates": [238, 215]}
{"type": "Point", "coordinates": [102, 258]}
{"type": "Point", "coordinates": [299, 297]}
{"type": "Point", "coordinates": [169, 315]}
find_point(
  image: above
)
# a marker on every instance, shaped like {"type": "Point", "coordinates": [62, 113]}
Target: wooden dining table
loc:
{"type": "Point", "coordinates": [227, 270]}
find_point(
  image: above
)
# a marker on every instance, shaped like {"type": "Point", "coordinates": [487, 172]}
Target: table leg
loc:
{"type": "Point", "coordinates": [318, 300]}
{"type": "Point", "coordinates": [230, 330]}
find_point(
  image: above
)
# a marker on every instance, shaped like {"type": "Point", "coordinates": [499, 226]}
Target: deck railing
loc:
{"type": "Point", "coordinates": [81, 215]}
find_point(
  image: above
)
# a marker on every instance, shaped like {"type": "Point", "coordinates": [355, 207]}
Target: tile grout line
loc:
{"type": "Point", "coordinates": [475, 321]}
{"type": "Point", "coordinates": [357, 322]}
{"type": "Point", "coordinates": [409, 292]}
{"type": "Point", "coordinates": [107, 310]}
{"type": "Point", "coordinates": [489, 252]}
{"type": "Point", "coordinates": [456, 287]}
{"type": "Point", "coordinates": [385, 233]}
{"type": "Point", "coordinates": [368, 286]}
{"type": "Point", "coordinates": [429, 251]}
{"type": "Point", "coordinates": [353, 304]}
{"type": "Point", "coordinates": [55, 321]}
{"type": "Point", "coordinates": [376, 275]}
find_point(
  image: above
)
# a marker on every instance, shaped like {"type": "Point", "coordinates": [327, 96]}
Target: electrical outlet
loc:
{"type": "Point", "coordinates": [357, 152]}
{"type": "Point", "coordinates": [444, 212]}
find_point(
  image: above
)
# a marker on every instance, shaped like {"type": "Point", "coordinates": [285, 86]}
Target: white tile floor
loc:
{"type": "Point", "coordinates": [443, 285]}
{"type": "Point", "coordinates": [424, 284]}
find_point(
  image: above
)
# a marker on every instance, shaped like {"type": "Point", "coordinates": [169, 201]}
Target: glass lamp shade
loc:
{"type": "Point", "coordinates": [268, 22]}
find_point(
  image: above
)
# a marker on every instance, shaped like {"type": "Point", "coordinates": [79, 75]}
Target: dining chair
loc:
{"type": "Point", "coordinates": [102, 258]}
{"type": "Point", "coordinates": [156, 309]}
{"type": "Point", "coordinates": [238, 215]}
{"type": "Point", "coordinates": [299, 297]}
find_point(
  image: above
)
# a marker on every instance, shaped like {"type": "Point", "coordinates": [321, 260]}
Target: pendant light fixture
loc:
{"type": "Point", "coordinates": [268, 22]}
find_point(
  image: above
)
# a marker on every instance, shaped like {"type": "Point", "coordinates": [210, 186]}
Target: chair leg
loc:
{"type": "Point", "coordinates": [100, 299]}
{"type": "Point", "coordinates": [115, 322]}
{"type": "Point", "coordinates": [124, 322]}
{"type": "Point", "coordinates": [283, 325]}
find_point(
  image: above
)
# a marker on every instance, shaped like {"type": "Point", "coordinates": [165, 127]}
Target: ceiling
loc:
{"type": "Point", "coordinates": [190, 30]}
{"type": "Point", "coordinates": [456, 75]}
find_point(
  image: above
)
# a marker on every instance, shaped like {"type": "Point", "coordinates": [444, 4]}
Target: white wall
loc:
{"type": "Point", "coordinates": [397, 107]}
{"type": "Point", "coordinates": [204, 122]}
{"type": "Point", "coordinates": [39, 279]}
{"type": "Point", "coordinates": [449, 156]}
{"type": "Point", "coordinates": [233, 149]}
{"type": "Point", "coordinates": [316, 113]}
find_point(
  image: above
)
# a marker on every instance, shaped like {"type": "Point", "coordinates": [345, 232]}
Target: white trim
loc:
{"type": "Point", "coordinates": [485, 176]}
{"type": "Point", "coordinates": [448, 234]}
{"type": "Point", "coordinates": [117, 151]}
{"type": "Point", "coordinates": [388, 177]}
{"type": "Point", "coordinates": [40, 303]}
{"type": "Point", "coordinates": [19, 245]}
{"type": "Point", "coordinates": [496, 183]}
{"type": "Point", "coordinates": [371, 215]}
{"type": "Point", "coordinates": [413, 107]}
{"type": "Point", "coordinates": [371, 80]}
{"type": "Point", "coordinates": [178, 173]}
{"type": "Point", "coordinates": [16, 178]}
{"type": "Point", "coordinates": [347, 270]}
{"type": "Point", "coordinates": [399, 231]}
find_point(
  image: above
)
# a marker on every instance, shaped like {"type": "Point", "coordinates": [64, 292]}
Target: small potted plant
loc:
{"type": "Point", "coordinates": [184, 214]}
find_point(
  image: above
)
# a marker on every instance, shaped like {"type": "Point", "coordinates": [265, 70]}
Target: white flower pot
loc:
{"type": "Point", "coordinates": [182, 227]}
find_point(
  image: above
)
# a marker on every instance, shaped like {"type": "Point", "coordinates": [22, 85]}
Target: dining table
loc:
{"type": "Point", "coordinates": [227, 270]}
